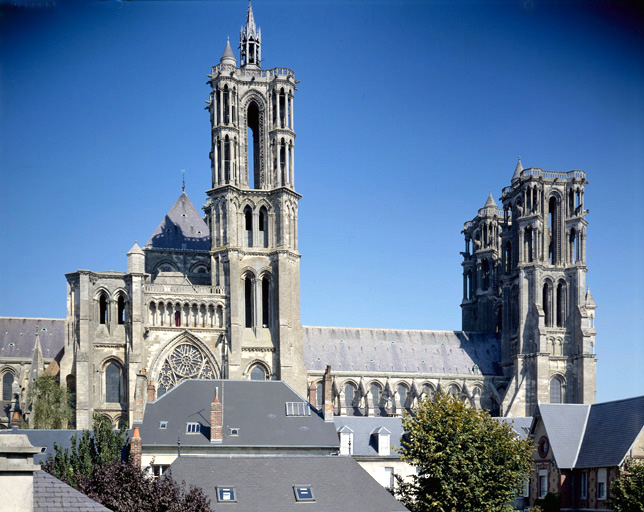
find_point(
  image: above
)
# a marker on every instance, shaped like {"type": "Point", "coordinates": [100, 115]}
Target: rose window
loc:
{"type": "Point", "coordinates": [185, 362]}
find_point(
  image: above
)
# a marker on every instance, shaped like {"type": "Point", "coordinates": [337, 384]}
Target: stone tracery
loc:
{"type": "Point", "coordinates": [186, 361]}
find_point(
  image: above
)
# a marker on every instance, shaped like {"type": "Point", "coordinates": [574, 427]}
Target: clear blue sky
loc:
{"type": "Point", "coordinates": [407, 114]}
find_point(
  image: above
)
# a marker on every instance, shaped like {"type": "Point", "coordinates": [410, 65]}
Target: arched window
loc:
{"type": "Point", "coordinates": [113, 383]}
{"type": "Point", "coordinates": [528, 236]}
{"type": "Point", "coordinates": [377, 400]}
{"type": "Point", "coordinates": [427, 392]}
{"type": "Point", "coordinates": [350, 395]}
{"type": "Point", "coordinates": [470, 285]}
{"type": "Point", "coordinates": [404, 398]}
{"type": "Point", "coordinates": [319, 395]}
{"type": "Point", "coordinates": [454, 391]}
{"type": "Point", "coordinates": [227, 154]}
{"type": "Point", "coordinates": [7, 383]}
{"type": "Point", "coordinates": [258, 373]}
{"type": "Point", "coordinates": [248, 301]}
{"type": "Point", "coordinates": [253, 156]}
{"type": "Point", "coordinates": [508, 258]}
{"type": "Point", "coordinates": [556, 390]}
{"type": "Point", "coordinates": [574, 257]}
{"type": "Point", "coordinates": [177, 319]}
{"type": "Point", "coordinates": [102, 309]}
{"type": "Point", "coordinates": [120, 309]}
{"type": "Point", "coordinates": [547, 304]}
{"type": "Point", "coordinates": [263, 227]}
{"type": "Point", "coordinates": [283, 162]}
{"type": "Point", "coordinates": [485, 273]}
{"type": "Point", "coordinates": [266, 285]}
{"type": "Point", "coordinates": [561, 304]}
{"type": "Point", "coordinates": [248, 225]}
{"type": "Point", "coordinates": [553, 224]}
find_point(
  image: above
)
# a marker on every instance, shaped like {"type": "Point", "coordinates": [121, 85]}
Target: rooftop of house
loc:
{"type": "Point", "coordinates": [398, 350]}
{"type": "Point", "coordinates": [255, 414]}
{"type": "Point", "coordinates": [597, 435]}
{"type": "Point", "coordinates": [520, 424]}
{"type": "Point", "coordinates": [283, 484]}
{"type": "Point", "coordinates": [52, 495]}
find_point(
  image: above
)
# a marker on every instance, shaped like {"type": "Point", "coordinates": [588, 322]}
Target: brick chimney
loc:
{"type": "Point", "coordinates": [15, 419]}
{"type": "Point", "coordinates": [216, 419]}
{"type": "Point", "coordinates": [152, 392]}
{"type": "Point", "coordinates": [328, 395]}
{"type": "Point", "coordinates": [136, 448]}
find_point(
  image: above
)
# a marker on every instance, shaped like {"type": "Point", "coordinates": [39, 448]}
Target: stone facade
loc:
{"type": "Point", "coordinates": [218, 296]}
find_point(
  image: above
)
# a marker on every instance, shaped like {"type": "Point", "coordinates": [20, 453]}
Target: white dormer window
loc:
{"type": "Point", "coordinates": [193, 428]}
{"type": "Point", "coordinates": [383, 441]}
{"type": "Point", "coordinates": [346, 441]}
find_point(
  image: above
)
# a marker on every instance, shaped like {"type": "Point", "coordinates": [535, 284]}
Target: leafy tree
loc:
{"type": "Point", "coordinates": [88, 452]}
{"type": "Point", "coordinates": [627, 491]}
{"type": "Point", "coordinates": [51, 403]}
{"type": "Point", "coordinates": [465, 460]}
{"type": "Point", "coordinates": [123, 487]}
{"type": "Point", "coordinates": [95, 467]}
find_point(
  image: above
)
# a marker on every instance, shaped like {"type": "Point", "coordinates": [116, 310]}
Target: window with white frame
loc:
{"type": "Point", "coordinates": [601, 484]}
{"type": "Point", "coordinates": [193, 428]}
{"type": "Point", "coordinates": [226, 494]}
{"type": "Point", "coordinates": [583, 485]}
{"type": "Point", "coordinates": [346, 441]}
{"type": "Point", "coordinates": [543, 483]}
{"type": "Point", "coordinates": [388, 478]}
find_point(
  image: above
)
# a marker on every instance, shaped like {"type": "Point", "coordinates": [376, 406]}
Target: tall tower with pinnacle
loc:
{"type": "Point", "coordinates": [524, 277]}
{"type": "Point", "coordinates": [252, 211]}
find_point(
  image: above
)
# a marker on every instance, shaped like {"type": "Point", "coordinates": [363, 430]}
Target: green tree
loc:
{"type": "Point", "coordinates": [51, 403]}
{"type": "Point", "coordinates": [465, 460]}
{"type": "Point", "coordinates": [95, 467]}
{"type": "Point", "coordinates": [627, 491]}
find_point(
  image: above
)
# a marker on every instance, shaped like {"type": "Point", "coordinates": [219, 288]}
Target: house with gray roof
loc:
{"type": "Point", "coordinates": [580, 449]}
{"type": "Point", "coordinates": [232, 418]}
{"type": "Point", "coordinates": [284, 484]}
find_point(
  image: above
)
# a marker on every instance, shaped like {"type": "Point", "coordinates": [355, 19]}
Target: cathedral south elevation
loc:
{"type": "Point", "coordinates": [216, 295]}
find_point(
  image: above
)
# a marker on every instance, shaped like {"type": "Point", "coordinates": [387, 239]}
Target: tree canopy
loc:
{"type": "Point", "coordinates": [465, 460]}
{"type": "Point", "coordinates": [51, 404]}
{"type": "Point", "coordinates": [627, 491]}
{"type": "Point", "coordinates": [96, 467]}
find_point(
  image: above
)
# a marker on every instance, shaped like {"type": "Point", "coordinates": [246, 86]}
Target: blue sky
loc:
{"type": "Point", "coordinates": [408, 113]}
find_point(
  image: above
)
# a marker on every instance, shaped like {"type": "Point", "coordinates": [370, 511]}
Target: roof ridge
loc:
{"type": "Point", "coordinates": [393, 329]}
{"type": "Point", "coordinates": [30, 318]}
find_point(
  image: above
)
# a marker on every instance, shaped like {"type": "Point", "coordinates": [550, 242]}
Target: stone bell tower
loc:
{"type": "Point", "coordinates": [252, 212]}
{"type": "Point", "coordinates": [548, 334]}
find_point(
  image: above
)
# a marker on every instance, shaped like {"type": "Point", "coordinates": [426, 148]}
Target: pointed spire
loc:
{"type": "Point", "coordinates": [490, 203]}
{"type": "Point", "coordinates": [590, 301]}
{"type": "Point", "coordinates": [517, 170]}
{"type": "Point", "coordinates": [37, 362]}
{"type": "Point", "coordinates": [228, 57]}
{"type": "Point", "coordinates": [250, 41]}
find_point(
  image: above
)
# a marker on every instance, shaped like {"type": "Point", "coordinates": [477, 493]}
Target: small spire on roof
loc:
{"type": "Point", "coordinates": [490, 201]}
{"type": "Point", "coordinates": [183, 180]}
{"type": "Point", "coordinates": [517, 170]}
{"type": "Point", "coordinates": [228, 57]}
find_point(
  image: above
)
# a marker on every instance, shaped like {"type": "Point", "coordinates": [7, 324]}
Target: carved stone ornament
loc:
{"type": "Point", "coordinates": [186, 361]}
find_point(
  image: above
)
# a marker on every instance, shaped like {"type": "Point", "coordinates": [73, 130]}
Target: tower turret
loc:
{"type": "Point", "coordinates": [250, 41]}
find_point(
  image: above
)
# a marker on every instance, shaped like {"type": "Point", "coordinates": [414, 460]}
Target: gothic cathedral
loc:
{"type": "Point", "coordinates": [217, 296]}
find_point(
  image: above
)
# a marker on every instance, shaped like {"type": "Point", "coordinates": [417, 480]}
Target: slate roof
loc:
{"type": "Point", "coordinates": [338, 484]}
{"type": "Point", "coordinates": [18, 335]}
{"type": "Point", "coordinates": [182, 228]}
{"type": "Point", "coordinates": [411, 351]}
{"type": "Point", "coordinates": [46, 439]}
{"type": "Point", "coordinates": [565, 424]}
{"type": "Point", "coordinates": [256, 408]}
{"type": "Point", "coordinates": [611, 430]}
{"type": "Point", "coordinates": [364, 428]}
{"type": "Point", "coordinates": [521, 424]}
{"type": "Point", "coordinates": [52, 495]}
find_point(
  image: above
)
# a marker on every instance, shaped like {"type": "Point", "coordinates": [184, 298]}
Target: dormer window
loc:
{"type": "Point", "coordinates": [383, 441]}
{"type": "Point", "coordinates": [226, 494]}
{"type": "Point", "coordinates": [163, 425]}
{"type": "Point", "coordinates": [346, 440]}
{"type": "Point", "coordinates": [193, 428]}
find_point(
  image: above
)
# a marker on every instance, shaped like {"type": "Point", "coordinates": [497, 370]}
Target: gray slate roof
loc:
{"type": "Point", "coordinates": [338, 484]}
{"type": "Point", "coordinates": [565, 425]}
{"type": "Point", "coordinates": [256, 408]}
{"type": "Point", "coordinates": [52, 495]}
{"type": "Point", "coordinates": [521, 424]}
{"type": "Point", "coordinates": [364, 442]}
{"type": "Point", "coordinates": [390, 350]}
{"type": "Point", "coordinates": [46, 439]}
{"type": "Point", "coordinates": [611, 430]}
{"type": "Point", "coordinates": [182, 228]}
{"type": "Point", "coordinates": [18, 335]}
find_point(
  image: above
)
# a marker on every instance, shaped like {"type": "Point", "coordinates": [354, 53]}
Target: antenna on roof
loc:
{"type": "Point", "coordinates": [183, 180]}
